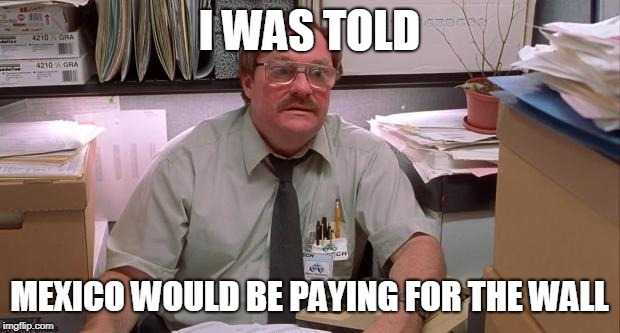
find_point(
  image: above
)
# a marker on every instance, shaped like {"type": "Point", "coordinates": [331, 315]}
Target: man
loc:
{"type": "Point", "coordinates": [218, 205]}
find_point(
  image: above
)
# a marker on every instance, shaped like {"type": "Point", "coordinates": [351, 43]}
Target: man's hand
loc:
{"type": "Point", "coordinates": [420, 258]}
{"type": "Point", "coordinates": [120, 322]}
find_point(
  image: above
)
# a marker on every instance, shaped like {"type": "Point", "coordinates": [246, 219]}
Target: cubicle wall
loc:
{"type": "Point", "coordinates": [444, 28]}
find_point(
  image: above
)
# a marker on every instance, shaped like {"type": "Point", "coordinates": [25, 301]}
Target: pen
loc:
{"type": "Point", "coordinates": [317, 233]}
{"type": "Point", "coordinates": [337, 218]}
{"type": "Point", "coordinates": [324, 227]}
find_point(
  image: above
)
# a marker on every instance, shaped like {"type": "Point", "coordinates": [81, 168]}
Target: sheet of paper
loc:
{"type": "Point", "coordinates": [586, 53]}
{"type": "Point", "coordinates": [432, 128]}
{"type": "Point", "coordinates": [595, 106]}
{"type": "Point", "coordinates": [427, 173]}
{"type": "Point", "coordinates": [40, 109]}
{"type": "Point", "coordinates": [603, 29]}
{"type": "Point", "coordinates": [219, 327]}
{"type": "Point", "coordinates": [434, 119]}
{"type": "Point", "coordinates": [446, 135]}
{"type": "Point", "coordinates": [565, 64]}
{"type": "Point", "coordinates": [124, 151]}
{"type": "Point", "coordinates": [608, 125]}
{"type": "Point", "coordinates": [70, 170]}
{"type": "Point", "coordinates": [58, 158]}
{"type": "Point", "coordinates": [442, 139]}
{"type": "Point", "coordinates": [18, 139]}
{"type": "Point", "coordinates": [488, 153]}
{"type": "Point", "coordinates": [433, 163]}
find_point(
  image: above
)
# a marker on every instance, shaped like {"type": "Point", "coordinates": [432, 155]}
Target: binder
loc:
{"type": "Point", "coordinates": [126, 30]}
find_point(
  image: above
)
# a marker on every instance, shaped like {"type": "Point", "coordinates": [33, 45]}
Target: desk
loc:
{"type": "Point", "coordinates": [557, 217]}
{"type": "Point", "coordinates": [345, 322]}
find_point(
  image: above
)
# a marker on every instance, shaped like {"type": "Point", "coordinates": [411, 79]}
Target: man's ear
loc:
{"type": "Point", "coordinates": [247, 84]}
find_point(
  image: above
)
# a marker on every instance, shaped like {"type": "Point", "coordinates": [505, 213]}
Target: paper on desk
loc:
{"type": "Point", "coordinates": [58, 158]}
{"type": "Point", "coordinates": [430, 163]}
{"type": "Point", "coordinates": [427, 173]}
{"type": "Point", "coordinates": [444, 119]}
{"type": "Point", "coordinates": [433, 128]}
{"type": "Point", "coordinates": [124, 152]}
{"type": "Point", "coordinates": [18, 139]}
{"type": "Point", "coordinates": [74, 168]}
{"type": "Point", "coordinates": [601, 55]}
{"type": "Point", "coordinates": [586, 53]}
{"type": "Point", "coordinates": [586, 109]}
{"type": "Point", "coordinates": [446, 136]}
{"type": "Point", "coordinates": [595, 106]}
{"type": "Point", "coordinates": [601, 30]}
{"type": "Point", "coordinates": [561, 63]}
{"type": "Point", "coordinates": [489, 153]}
{"type": "Point", "coordinates": [219, 327]}
{"type": "Point", "coordinates": [438, 138]}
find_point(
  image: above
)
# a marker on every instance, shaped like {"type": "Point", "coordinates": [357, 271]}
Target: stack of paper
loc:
{"type": "Point", "coordinates": [47, 149]}
{"type": "Point", "coordinates": [437, 143]}
{"type": "Point", "coordinates": [173, 26]}
{"type": "Point", "coordinates": [582, 63]}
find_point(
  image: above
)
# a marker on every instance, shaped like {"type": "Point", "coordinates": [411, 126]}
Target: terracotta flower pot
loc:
{"type": "Point", "coordinates": [482, 110]}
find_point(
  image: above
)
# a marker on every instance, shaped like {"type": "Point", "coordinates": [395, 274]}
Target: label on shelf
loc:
{"type": "Point", "coordinates": [46, 72]}
{"type": "Point", "coordinates": [42, 45]}
{"type": "Point", "coordinates": [39, 18]}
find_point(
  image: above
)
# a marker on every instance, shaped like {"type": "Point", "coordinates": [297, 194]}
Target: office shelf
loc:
{"type": "Point", "coordinates": [159, 87]}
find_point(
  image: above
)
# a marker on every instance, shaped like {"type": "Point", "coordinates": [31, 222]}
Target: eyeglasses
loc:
{"type": "Point", "coordinates": [319, 76]}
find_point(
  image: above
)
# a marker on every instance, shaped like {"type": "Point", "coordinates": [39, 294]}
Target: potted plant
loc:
{"type": "Point", "coordinates": [482, 107]}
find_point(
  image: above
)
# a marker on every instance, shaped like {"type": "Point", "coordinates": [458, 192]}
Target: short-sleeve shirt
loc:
{"type": "Point", "coordinates": [203, 210]}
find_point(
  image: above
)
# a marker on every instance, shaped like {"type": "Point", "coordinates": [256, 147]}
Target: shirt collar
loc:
{"type": "Point", "coordinates": [255, 149]}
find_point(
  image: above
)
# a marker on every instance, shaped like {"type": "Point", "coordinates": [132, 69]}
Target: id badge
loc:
{"type": "Point", "coordinates": [338, 247]}
{"type": "Point", "coordinates": [318, 266]}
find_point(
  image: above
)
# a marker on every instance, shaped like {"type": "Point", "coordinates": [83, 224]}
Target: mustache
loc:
{"type": "Point", "coordinates": [296, 102]}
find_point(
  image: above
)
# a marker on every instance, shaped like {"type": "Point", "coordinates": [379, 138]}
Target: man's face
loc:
{"type": "Point", "coordinates": [288, 110]}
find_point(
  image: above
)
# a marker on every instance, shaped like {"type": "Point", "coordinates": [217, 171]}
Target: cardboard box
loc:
{"type": "Point", "coordinates": [47, 230]}
{"type": "Point", "coordinates": [46, 72]}
{"type": "Point", "coordinates": [38, 18]}
{"type": "Point", "coordinates": [434, 54]}
{"type": "Point", "coordinates": [43, 45]}
{"type": "Point", "coordinates": [496, 322]}
{"type": "Point", "coordinates": [557, 216]}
